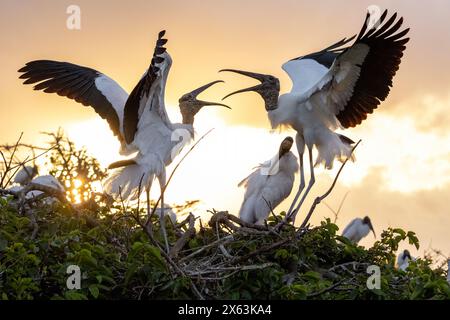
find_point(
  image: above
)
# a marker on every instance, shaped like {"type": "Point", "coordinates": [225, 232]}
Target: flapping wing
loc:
{"type": "Point", "coordinates": [148, 93]}
{"type": "Point", "coordinates": [84, 85]}
{"type": "Point", "coordinates": [307, 71]}
{"type": "Point", "coordinates": [360, 76]}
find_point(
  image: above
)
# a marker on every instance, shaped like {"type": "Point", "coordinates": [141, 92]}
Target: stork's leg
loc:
{"type": "Point", "coordinates": [147, 194]}
{"type": "Point", "coordinates": [162, 218]}
{"type": "Point", "coordinates": [148, 187]}
{"type": "Point", "coordinates": [310, 184]}
{"type": "Point", "coordinates": [300, 189]}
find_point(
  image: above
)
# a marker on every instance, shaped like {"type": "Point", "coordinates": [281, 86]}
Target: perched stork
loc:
{"type": "Point", "coordinates": [265, 191]}
{"type": "Point", "coordinates": [25, 175]}
{"type": "Point", "coordinates": [139, 120]}
{"type": "Point", "coordinates": [336, 87]}
{"type": "Point", "coordinates": [403, 260]}
{"type": "Point", "coordinates": [358, 228]}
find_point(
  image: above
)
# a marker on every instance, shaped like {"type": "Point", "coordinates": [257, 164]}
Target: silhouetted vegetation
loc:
{"type": "Point", "coordinates": [121, 256]}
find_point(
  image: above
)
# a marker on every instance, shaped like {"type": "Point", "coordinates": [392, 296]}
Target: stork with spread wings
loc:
{"type": "Point", "coordinates": [336, 87]}
{"type": "Point", "coordinates": [138, 120]}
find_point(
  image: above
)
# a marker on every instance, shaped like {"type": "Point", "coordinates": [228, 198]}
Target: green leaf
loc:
{"type": "Point", "coordinates": [312, 275]}
{"type": "Point", "coordinates": [93, 289]}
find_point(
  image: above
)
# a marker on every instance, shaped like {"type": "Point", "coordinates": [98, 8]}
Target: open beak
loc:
{"type": "Point", "coordinates": [202, 103]}
{"type": "Point", "coordinates": [285, 146]}
{"type": "Point", "coordinates": [257, 76]}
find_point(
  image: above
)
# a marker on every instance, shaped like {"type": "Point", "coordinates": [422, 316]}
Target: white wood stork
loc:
{"type": "Point", "coordinates": [336, 87]}
{"type": "Point", "coordinates": [139, 120]}
{"type": "Point", "coordinates": [45, 181]}
{"type": "Point", "coordinates": [403, 259]}
{"type": "Point", "coordinates": [25, 175]}
{"type": "Point", "coordinates": [265, 190]}
{"type": "Point", "coordinates": [358, 228]}
{"type": "Point", "coordinates": [448, 270]}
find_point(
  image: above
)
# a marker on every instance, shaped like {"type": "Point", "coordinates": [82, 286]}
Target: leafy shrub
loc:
{"type": "Point", "coordinates": [121, 257]}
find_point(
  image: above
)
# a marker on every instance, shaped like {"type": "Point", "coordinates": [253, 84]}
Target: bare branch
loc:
{"type": "Point", "coordinates": [327, 193]}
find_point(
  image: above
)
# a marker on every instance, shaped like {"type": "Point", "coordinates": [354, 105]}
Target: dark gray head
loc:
{"type": "Point", "coordinates": [269, 89]}
{"type": "Point", "coordinates": [285, 146]}
{"type": "Point", "coordinates": [190, 105]}
{"type": "Point", "coordinates": [406, 254]}
{"type": "Point", "coordinates": [367, 221]}
{"type": "Point", "coordinates": [31, 171]}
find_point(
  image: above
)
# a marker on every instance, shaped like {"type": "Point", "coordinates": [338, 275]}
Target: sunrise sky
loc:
{"type": "Point", "coordinates": [402, 174]}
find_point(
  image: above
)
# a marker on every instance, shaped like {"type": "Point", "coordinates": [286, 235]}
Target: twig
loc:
{"type": "Point", "coordinates": [8, 163]}
{"type": "Point", "coordinates": [322, 197]}
{"type": "Point", "coordinates": [275, 245]}
{"type": "Point", "coordinates": [335, 285]}
{"type": "Point", "coordinates": [209, 245]}
{"type": "Point", "coordinates": [235, 268]}
{"type": "Point", "coordinates": [172, 263]}
{"type": "Point", "coordinates": [271, 210]}
{"type": "Point", "coordinates": [336, 213]}
{"type": "Point", "coordinates": [190, 233]}
{"type": "Point", "coordinates": [175, 169]}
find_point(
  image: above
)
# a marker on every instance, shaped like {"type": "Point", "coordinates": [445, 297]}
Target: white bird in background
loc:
{"type": "Point", "coordinates": [46, 181]}
{"type": "Point", "coordinates": [49, 181]}
{"type": "Point", "coordinates": [25, 175]}
{"type": "Point", "coordinates": [358, 228]}
{"type": "Point", "coordinates": [403, 260]}
{"type": "Point", "coordinates": [448, 270]}
{"type": "Point", "coordinates": [168, 212]}
{"type": "Point", "coordinates": [139, 120]}
{"type": "Point", "coordinates": [333, 88]}
{"type": "Point", "coordinates": [269, 185]}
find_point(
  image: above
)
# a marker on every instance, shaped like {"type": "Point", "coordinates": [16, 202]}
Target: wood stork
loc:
{"type": "Point", "coordinates": [448, 270]}
{"type": "Point", "coordinates": [403, 259]}
{"type": "Point", "coordinates": [269, 185]}
{"type": "Point", "coordinates": [336, 87]}
{"type": "Point", "coordinates": [139, 120]}
{"type": "Point", "coordinates": [358, 228]}
{"type": "Point", "coordinates": [48, 181]}
{"type": "Point", "coordinates": [25, 174]}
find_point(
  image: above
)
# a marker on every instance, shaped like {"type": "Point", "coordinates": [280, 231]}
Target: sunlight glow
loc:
{"type": "Point", "coordinates": [230, 153]}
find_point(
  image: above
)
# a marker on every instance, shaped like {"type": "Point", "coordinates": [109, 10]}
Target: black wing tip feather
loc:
{"type": "Point", "coordinates": [71, 81]}
{"type": "Point", "coordinates": [381, 28]}
{"type": "Point", "coordinates": [385, 39]}
{"type": "Point", "coordinates": [131, 110]}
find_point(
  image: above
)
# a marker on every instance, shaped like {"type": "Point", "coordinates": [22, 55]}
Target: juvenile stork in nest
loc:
{"type": "Point", "coordinates": [334, 88]}
{"type": "Point", "coordinates": [269, 184]}
{"type": "Point", "coordinates": [139, 120]}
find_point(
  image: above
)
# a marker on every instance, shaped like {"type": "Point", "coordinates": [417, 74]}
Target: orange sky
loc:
{"type": "Point", "coordinates": [402, 173]}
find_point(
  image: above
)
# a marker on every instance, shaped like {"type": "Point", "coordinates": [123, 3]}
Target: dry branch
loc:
{"type": "Point", "coordinates": [327, 193]}
{"type": "Point", "coordinates": [190, 233]}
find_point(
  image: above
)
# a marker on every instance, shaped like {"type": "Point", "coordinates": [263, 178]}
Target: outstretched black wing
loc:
{"type": "Point", "coordinates": [378, 68]}
{"type": "Point", "coordinates": [84, 85]}
{"type": "Point", "coordinates": [353, 80]}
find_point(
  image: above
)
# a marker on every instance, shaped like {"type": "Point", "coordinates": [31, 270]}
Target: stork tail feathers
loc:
{"type": "Point", "coordinates": [127, 182]}
{"type": "Point", "coordinates": [333, 146]}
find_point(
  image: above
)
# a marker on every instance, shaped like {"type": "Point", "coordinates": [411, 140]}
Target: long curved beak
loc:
{"type": "Point", "coordinates": [258, 76]}
{"type": "Point", "coordinates": [197, 91]}
{"type": "Point", "coordinates": [371, 228]}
